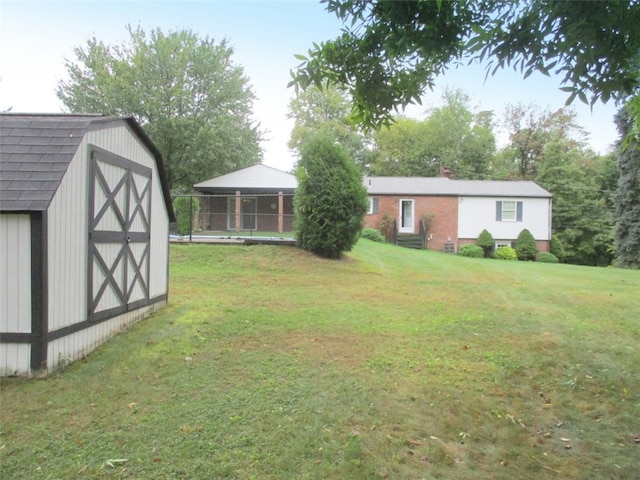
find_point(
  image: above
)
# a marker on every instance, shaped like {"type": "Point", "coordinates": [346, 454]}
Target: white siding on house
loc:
{"type": "Point", "coordinates": [477, 213]}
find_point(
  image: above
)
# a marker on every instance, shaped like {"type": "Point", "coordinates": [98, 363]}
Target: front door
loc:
{"type": "Point", "coordinates": [406, 216]}
{"type": "Point", "coordinates": [119, 235]}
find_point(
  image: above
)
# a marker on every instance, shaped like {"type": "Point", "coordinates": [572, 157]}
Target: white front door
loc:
{"type": "Point", "coordinates": [406, 216]}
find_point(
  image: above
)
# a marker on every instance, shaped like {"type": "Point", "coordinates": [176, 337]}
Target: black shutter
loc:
{"type": "Point", "coordinates": [519, 211]}
{"type": "Point", "coordinates": [375, 205]}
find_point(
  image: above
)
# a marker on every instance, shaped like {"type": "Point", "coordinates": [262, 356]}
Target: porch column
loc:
{"type": "Point", "coordinates": [238, 211]}
{"type": "Point", "coordinates": [280, 212]}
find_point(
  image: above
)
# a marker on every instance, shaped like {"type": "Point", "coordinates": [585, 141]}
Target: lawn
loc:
{"type": "Point", "coordinates": [270, 363]}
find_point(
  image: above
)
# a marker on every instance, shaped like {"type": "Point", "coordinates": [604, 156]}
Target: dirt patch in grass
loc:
{"type": "Point", "coordinates": [348, 350]}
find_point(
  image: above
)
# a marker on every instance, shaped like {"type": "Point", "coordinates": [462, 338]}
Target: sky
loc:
{"type": "Point", "coordinates": [37, 36]}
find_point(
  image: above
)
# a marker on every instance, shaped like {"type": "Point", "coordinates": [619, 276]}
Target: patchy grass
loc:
{"type": "Point", "coordinates": [271, 363]}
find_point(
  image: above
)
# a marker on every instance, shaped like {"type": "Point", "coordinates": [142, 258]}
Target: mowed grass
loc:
{"type": "Point", "coordinates": [271, 363]}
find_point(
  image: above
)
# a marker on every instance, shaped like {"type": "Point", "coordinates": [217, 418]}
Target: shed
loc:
{"type": "Point", "coordinates": [84, 222]}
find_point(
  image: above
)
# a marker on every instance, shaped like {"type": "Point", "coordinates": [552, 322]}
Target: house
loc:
{"type": "Point", "coordinates": [458, 210]}
{"type": "Point", "coordinates": [257, 197]}
{"type": "Point", "coordinates": [84, 222]}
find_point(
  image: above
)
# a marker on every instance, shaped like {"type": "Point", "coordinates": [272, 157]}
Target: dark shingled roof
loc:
{"type": "Point", "coordinates": [36, 149]}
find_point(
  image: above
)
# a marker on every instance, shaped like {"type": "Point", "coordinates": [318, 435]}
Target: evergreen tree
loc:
{"type": "Point", "coordinates": [330, 201]}
{"type": "Point", "coordinates": [486, 241]}
{"type": "Point", "coordinates": [627, 198]}
{"type": "Point", "coordinates": [526, 247]}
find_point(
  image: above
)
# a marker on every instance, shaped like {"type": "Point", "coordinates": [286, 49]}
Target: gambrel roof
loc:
{"type": "Point", "coordinates": [36, 149]}
{"type": "Point", "coordinates": [447, 187]}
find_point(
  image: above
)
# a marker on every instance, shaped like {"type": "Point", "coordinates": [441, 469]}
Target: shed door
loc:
{"type": "Point", "coordinates": [119, 233]}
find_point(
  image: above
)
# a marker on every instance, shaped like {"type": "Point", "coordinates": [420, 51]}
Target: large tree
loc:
{"type": "Point", "coordinates": [530, 130]}
{"type": "Point", "coordinates": [329, 110]}
{"type": "Point", "coordinates": [451, 136]}
{"type": "Point", "coordinates": [186, 92]}
{"type": "Point", "coordinates": [627, 198]}
{"type": "Point", "coordinates": [390, 52]}
{"type": "Point", "coordinates": [582, 218]}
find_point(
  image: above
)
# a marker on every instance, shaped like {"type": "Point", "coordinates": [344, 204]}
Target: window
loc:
{"type": "Point", "coordinates": [502, 244]}
{"type": "Point", "coordinates": [373, 205]}
{"type": "Point", "coordinates": [509, 211]}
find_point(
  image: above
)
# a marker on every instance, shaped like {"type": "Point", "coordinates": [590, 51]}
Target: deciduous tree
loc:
{"type": "Point", "coordinates": [185, 91]}
{"type": "Point", "coordinates": [327, 109]}
{"type": "Point", "coordinates": [389, 53]}
{"type": "Point", "coordinates": [452, 135]}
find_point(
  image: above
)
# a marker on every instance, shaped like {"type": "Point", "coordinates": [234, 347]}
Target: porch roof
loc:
{"type": "Point", "coordinates": [256, 178]}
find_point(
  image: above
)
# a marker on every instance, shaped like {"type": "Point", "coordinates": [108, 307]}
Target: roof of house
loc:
{"type": "Point", "coordinates": [445, 186]}
{"type": "Point", "coordinates": [256, 178]}
{"type": "Point", "coordinates": [36, 150]}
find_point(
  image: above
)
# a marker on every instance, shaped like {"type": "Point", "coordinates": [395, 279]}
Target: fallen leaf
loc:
{"type": "Point", "coordinates": [414, 443]}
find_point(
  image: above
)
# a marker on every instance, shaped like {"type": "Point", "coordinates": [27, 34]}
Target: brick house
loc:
{"type": "Point", "coordinates": [260, 197]}
{"type": "Point", "coordinates": [460, 209]}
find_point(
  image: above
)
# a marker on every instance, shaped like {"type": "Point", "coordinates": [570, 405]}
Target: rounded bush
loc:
{"type": "Point", "coordinates": [506, 253]}
{"type": "Point", "coordinates": [546, 257]}
{"type": "Point", "coordinates": [472, 251]}
{"type": "Point", "coordinates": [372, 234]}
{"type": "Point", "coordinates": [526, 248]}
{"type": "Point", "coordinates": [486, 241]}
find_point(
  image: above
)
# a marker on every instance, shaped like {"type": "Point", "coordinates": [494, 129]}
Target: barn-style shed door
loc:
{"type": "Point", "coordinates": [119, 234]}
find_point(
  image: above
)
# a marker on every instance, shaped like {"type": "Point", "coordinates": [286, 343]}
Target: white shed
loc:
{"type": "Point", "coordinates": [84, 223]}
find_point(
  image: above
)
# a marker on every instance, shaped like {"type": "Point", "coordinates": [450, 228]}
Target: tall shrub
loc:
{"type": "Point", "coordinates": [486, 242]}
{"type": "Point", "coordinates": [557, 248]}
{"type": "Point", "coordinates": [330, 201]}
{"type": "Point", "coordinates": [186, 209]}
{"type": "Point", "coordinates": [526, 247]}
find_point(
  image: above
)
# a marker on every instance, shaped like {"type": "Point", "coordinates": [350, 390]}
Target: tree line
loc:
{"type": "Point", "coordinates": [544, 146]}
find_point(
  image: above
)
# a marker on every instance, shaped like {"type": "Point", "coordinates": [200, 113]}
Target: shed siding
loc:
{"type": "Point", "coordinates": [120, 141]}
{"type": "Point", "coordinates": [68, 247]}
{"type": "Point", "coordinates": [15, 273]}
{"type": "Point", "coordinates": [15, 291]}
{"type": "Point", "coordinates": [478, 213]}
{"type": "Point", "coordinates": [67, 229]}
{"type": "Point", "coordinates": [75, 346]}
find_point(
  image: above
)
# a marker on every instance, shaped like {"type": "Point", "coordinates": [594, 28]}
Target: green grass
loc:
{"type": "Point", "coordinates": [270, 363]}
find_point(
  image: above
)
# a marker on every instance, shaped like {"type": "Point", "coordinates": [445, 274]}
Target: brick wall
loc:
{"type": "Point", "coordinates": [443, 209]}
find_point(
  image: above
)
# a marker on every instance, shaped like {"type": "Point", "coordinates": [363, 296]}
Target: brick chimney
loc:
{"type": "Point", "coordinates": [446, 172]}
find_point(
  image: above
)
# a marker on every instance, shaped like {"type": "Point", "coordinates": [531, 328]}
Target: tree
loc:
{"type": "Point", "coordinates": [627, 198]}
{"type": "Point", "coordinates": [525, 246]}
{"type": "Point", "coordinates": [327, 109]}
{"type": "Point", "coordinates": [486, 242]}
{"type": "Point", "coordinates": [330, 201]}
{"type": "Point", "coordinates": [530, 130]}
{"type": "Point", "coordinates": [185, 91]}
{"type": "Point", "coordinates": [390, 52]}
{"type": "Point", "coordinates": [581, 219]}
{"type": "Point", "coordinates": [451, 135]}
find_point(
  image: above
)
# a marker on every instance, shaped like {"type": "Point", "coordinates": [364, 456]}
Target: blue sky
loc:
{"type": "Point", "coordinates": [36, 36]}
